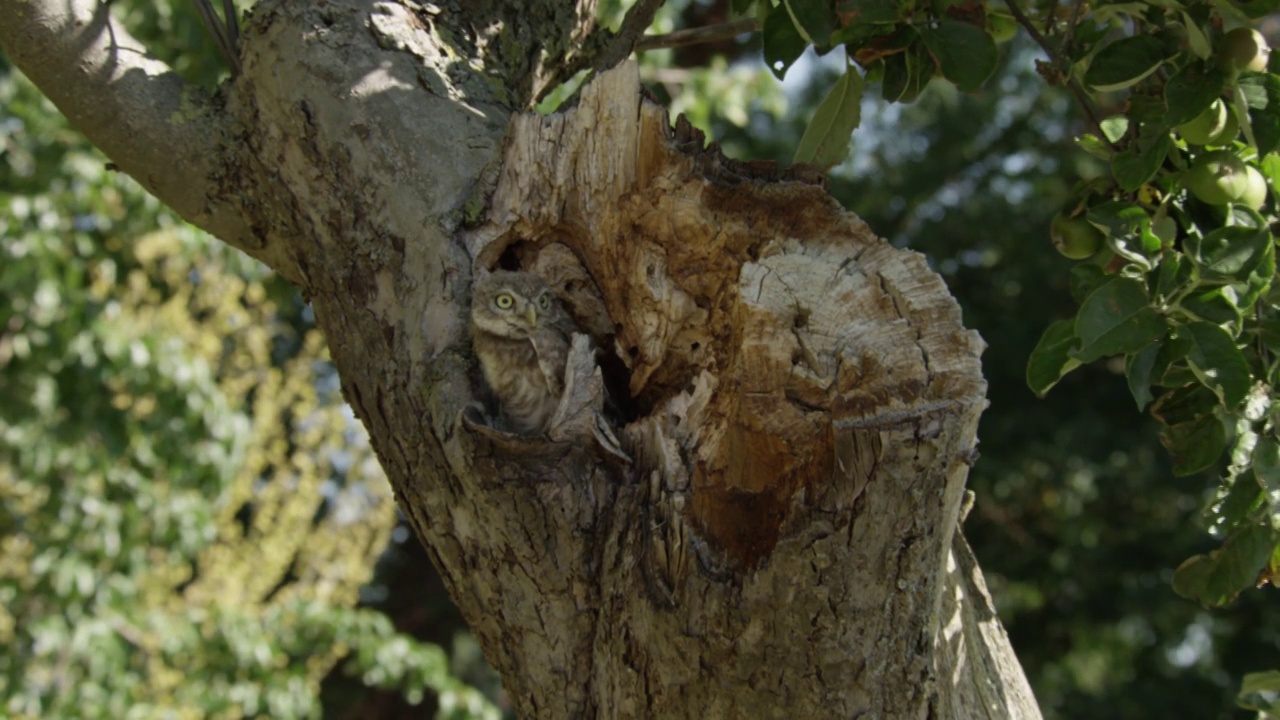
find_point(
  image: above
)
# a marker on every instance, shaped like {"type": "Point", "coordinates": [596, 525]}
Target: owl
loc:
{"type": "Point", "coordinates": [521, 335]}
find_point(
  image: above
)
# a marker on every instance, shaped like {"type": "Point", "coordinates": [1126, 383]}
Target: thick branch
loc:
{"type": "Point", "coordinates": [154, 126]}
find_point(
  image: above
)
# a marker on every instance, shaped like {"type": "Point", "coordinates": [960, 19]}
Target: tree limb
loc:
{"type": "Point", "coordinates": [695, 36]}
{"type": "Point", "coordinates": [639, 17]}
{"type": "Point", "coordinates": [164, 132]}
{"type": "Point", "coordinates": [1060, 66]}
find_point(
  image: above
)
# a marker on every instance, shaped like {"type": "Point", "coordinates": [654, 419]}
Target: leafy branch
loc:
{"type": "Point", "coordinates": [1061, 68]}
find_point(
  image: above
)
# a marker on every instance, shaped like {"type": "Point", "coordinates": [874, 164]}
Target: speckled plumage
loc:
{"type": "Point", "coordinates": [521, 335]}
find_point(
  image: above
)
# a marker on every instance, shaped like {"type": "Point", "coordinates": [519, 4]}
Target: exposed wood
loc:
{"type": "Point", "coordinates": [803, 397]}
{"type": "Point", "coordinates": [797, 398]}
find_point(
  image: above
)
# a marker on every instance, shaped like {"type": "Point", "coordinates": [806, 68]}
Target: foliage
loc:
{"type": "Point", "coordinates": [187, 513]}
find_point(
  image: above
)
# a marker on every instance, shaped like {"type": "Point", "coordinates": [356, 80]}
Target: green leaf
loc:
{"type": "Point", "coordinates": [740, 7]}
{"type": "Point", "coordinates": [1094, 146]}
{"type": "Point", "coordinates": [1194, 445]}
{"type": "Point", "coordinates": [1229, 253]}
{"type": "Point", "coordinates": [1260, 279]}
{"type": "Point", "coordinates": [906, 73]}
{"type": "Point", "coordinates": [1260, 691]}
{"type": "Point", "coordinates": [1171, 372]}
{"type": "Point", "coordinates": [1196, 39]}
{"type": "Point", "coordinates": [1262, 93]}
{"type": "Point", "coordinates": [1217, 362]}
{"type": "Point", "coordinates": [1214, 580]}
{"type": "Point", "coordinates": [1192, 90]}
{"type": "Point", "coordinates": [1242, 498]}
{"type": "Point", "coordinates": [1270, 167]}
{"type": "Point", "coordinates": [1174, 273]}
{"type": "Point", "coordinates": [1138, 371]}
{"type": "Point", "coordinates": [1114, 127]}
{"type": "Point", "coordinates": [1266, 468]}
{"type": "Point", "coordinates": [1118, 217]}
{"type": "Point", "coordinates": [1085, 278]}
{"type": "Point", "coordinates": [1051, 359]}
{"type": "Point", "coordinates": [1125, 62]}
{"type": "Point", "coordinates": [1117, 319]}
{"type": "Point", "coordinates": [965, 54]}
{"type": "Point", "coordinates": [1135, 166]}
{"type": "Point", "coordinates": [1217, 305]}
{"type": "Point", "coordinates": [813, 19]}
{"type": "Point", "coordinates": [826, 140]}
{"type": "Point", "coordinates": [783, 44]}
{"type": "Point", "coordinates": [1259, 8]}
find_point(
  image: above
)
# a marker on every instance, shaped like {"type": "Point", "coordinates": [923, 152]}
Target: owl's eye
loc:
{"type": "Point", "coordinates": [544, 301]}
{"type": "Point", "coordinates": [504, 301]}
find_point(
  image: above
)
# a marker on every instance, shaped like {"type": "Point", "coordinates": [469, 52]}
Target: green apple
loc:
{"type": "Point", "coordinates": [1074, 237]}
{"type": "Point", "coordinates": [1217, 177]}
{"type": "Point", "coordinates": [1227, 133]}
{"type": "Point", "coordinates": [1206, 125]}
{"type": "Point", "coordinates": [1255, 194]}
{"type": "Point", "coordinates": [1244, 49]}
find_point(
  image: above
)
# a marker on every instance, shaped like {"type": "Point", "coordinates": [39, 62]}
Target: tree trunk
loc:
{"type": "Point", "coordinates": [797, 399]}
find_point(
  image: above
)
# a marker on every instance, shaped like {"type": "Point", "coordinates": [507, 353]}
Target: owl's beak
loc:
{"type": "Point", "coordinates": [531, 314]}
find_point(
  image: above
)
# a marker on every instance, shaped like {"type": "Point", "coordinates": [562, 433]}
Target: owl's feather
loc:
{"type": "Point", "coordinates": [521, 336]}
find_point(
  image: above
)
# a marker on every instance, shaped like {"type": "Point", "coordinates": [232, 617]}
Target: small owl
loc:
{"type": "Point", "coordinates": [521, 335]}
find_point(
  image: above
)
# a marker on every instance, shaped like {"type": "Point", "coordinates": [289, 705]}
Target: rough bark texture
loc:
{"type": "Point", "coordinates": [798, 398]}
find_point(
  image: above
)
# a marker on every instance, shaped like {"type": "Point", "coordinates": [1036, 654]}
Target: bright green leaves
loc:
{"type": "Point", "coordinates": [826, 141]}
{"type": "Point", "coordinates": [964, 53]}
{"type": "Point", "coordinates": [1125, 62]}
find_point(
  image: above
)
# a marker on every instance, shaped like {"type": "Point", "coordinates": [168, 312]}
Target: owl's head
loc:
{"type": "Point", "coordinates": [511, 304]}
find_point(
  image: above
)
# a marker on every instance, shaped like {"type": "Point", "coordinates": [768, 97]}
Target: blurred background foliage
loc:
{"type": "Point", "coordinates": [188, 511]}
{"type": "Point", "coordinates": [192, 525]}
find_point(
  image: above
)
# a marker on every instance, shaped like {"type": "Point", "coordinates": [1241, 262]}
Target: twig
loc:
{"type": "Point", "coordinates": [1062, 68]}
{"type": "Point", "coordinates": [1034, 32]}
{"type": "Point", "coordinates": [225, 41]}
{"type": "Point", "coordinates": [233, 25]}
{"type": "Point", "coordinates": [1070, 35]}
{"type": "Point", "coordinates": [603, 49]}
{"type": "Point", "coordinates": [619, 47]}
{"type": "Point", "coordinates": [694, 36]}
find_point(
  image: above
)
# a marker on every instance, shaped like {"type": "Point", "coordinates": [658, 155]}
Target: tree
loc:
{"type": "Point", "coordinates": [332, 195]}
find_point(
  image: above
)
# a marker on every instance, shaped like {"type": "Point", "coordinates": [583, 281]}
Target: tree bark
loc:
{"type": "Point", "coordinates": [798, 399]}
